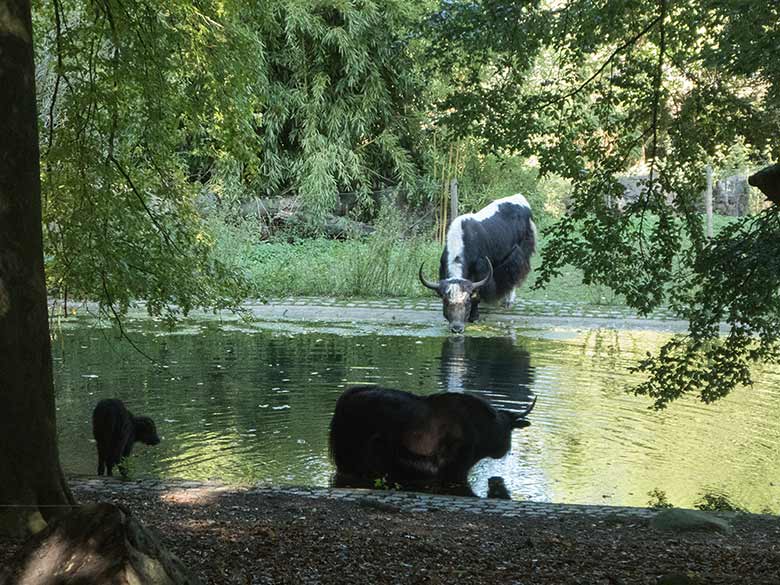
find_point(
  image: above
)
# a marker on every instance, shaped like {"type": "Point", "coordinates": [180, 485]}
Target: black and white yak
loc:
{"type": "Point", "coordinates": [486, 257]}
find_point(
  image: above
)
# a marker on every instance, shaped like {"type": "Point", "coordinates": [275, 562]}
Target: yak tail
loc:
{"type": "Point", "coordinates": [339, 439]}
{"type": "Point", "coordinates": [528, 245]}
{"type": "Point", "coordinates": [521, 259]}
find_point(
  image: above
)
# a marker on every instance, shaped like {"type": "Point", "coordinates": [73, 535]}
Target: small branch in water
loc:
{"type": "Point", "coordinates": [118, 320]}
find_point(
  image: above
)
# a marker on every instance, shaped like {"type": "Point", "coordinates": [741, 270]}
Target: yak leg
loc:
{"type": "Point", "coordinates": [474, 313]}
{"type": "Point", "coordinates": [114, 456]}
{"type": "Point", "coordinates": [509, 299]}
{"type": "Point", "coordinates": [101, 469]}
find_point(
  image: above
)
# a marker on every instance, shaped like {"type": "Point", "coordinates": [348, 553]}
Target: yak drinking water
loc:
{"type": "Point", "coordinates": [486, 257]}
{"type": "Point", "coordinates": [428, 442]}
{"type": "Point", "coordinates": [115, 430]}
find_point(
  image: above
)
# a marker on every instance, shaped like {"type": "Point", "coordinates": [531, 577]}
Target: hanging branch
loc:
{"type": "Point", "coordinates": [657, 85]}
{"type": "Point", "coordinates": [60, 74]}
{"type": "Point", "coordinates": [629, 43]}
{"type": "Point", "coordinates": [118, 320]}
{"type": "Point", "coordinates": [140, 198]}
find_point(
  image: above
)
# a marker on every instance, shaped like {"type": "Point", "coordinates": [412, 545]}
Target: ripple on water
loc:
{"type": "Point", "coordinates": [254, 405]}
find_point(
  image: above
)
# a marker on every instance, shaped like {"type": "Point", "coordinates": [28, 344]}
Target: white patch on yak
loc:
{"type": "Point", "coordinates": [455, 294]}
{"type": "Point", "coordinates": [455, 231]}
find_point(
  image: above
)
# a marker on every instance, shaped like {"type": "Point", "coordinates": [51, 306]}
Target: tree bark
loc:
{"type": "Point", "coordinates": [708, 200]}
{"type": "Point", "coordinates": [32, 487]}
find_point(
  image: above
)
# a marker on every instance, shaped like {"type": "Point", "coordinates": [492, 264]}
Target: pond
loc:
{"type": "Point", "coordinates": [252, 404]}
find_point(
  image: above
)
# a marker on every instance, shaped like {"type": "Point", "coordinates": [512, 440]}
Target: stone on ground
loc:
{"type": "Point", "coordinates": [677, 520]}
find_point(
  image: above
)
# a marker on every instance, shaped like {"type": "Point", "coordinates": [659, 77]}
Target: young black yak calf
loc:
{"type": "Point", "coordinates": [428, 442]}
{"type": "Point", "coordinates": [115, 430]}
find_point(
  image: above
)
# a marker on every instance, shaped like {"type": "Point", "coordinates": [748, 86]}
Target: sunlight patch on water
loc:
{"type": "Point", "coordinates": [252, 404]}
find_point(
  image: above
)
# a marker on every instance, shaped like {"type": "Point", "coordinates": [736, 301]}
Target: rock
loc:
{"type": "Point", "coordinates": [377, 505]}
{"type": "Point", "coordinates": [731, 196]}
{"type": "Point", "coordinates": [679, 579]}
{"type": "Point", "coordinates": [497, 488]}
{"type": "Point", "coordinates": [96, 543]}
{"type": "Point", "coordinates": [677, 520]}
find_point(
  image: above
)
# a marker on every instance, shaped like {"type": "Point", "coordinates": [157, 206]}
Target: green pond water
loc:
{"type": "Point", "coordinates": [252, 404]}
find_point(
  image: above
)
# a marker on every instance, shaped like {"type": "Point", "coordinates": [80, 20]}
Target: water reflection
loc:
{"type": "Point", "coordinates": [253, 406]}
{"type": "Point", "coordinates": [494, 367]}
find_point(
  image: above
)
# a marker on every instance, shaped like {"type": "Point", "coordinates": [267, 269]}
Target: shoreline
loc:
{"type": "Point", "coordinates": [267, 536]}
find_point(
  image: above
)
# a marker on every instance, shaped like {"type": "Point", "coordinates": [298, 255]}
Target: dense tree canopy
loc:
{"type": "Point", "coordinates": [593, 87]}
{"type": "Point", "coordinates": [145, 108]}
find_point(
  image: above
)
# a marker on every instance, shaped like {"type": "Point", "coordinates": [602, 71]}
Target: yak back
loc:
{"type": "Point", "coordinates": [378, 431]}
{"type": "Point", "coordinates": [508, 238]}
{"type": "Point", "coordinates": [113, 427]}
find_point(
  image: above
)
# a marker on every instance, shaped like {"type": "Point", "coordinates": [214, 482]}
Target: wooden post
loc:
{"type": "Point", "coordinates": [708, 201]}
{"type": "Point", "coordinates": [453, 198]}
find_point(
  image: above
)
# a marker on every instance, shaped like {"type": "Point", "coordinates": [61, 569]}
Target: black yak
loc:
{"type": "Point", "coordinates": [487, 255]}
{"type": "Point", "coordinates": [115, 430]}
{"type": "Point", "coordinates": [416, 441]}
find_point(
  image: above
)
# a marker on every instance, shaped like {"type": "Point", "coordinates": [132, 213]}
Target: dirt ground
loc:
{"type": "Point", "coordinates": [252, 539]}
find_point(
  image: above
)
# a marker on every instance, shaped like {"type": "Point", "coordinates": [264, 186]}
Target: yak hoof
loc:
{"type": "Point", "coordinates": [508, 300]}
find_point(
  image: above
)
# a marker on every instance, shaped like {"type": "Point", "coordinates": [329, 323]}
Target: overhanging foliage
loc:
{"type": "Point", "coordinates": [592, 88]}
{"type": "Point", "coordinates": [146, 106]}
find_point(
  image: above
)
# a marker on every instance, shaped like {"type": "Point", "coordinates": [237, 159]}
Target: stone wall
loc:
{"type": "Point", "coordinates": [730, 195]}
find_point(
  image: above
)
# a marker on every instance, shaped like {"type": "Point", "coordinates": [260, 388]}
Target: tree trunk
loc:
{"type": "Point", "coordinates": [32, 486]}
{"type": "Point", "coordinates": [708, 201]}
{"type": "Point", "coordinates": [453, 199]}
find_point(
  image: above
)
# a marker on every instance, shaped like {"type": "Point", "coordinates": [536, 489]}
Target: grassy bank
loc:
{"type": "Point", "coordinates": [382, 265]}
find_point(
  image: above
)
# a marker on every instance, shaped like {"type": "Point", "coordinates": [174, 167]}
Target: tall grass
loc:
{"type": "Point", "coordinates": [384, 264]}
{"type": "Point", "coordinates": [380, 265]}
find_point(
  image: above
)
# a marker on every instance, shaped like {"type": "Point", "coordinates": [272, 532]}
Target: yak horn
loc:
{"type": "Point", "coordinates": [427, 283]}
{"type": "Point", "coordinates": [482, 282]}
{"type": "Point", "coordinates": [528, 410]}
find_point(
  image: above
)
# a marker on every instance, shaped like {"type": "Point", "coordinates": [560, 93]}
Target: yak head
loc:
{"type": "Point", "coordinates": [498, 439]}
{"type": "Point", "coordinates": [145, 430]}
{"type": "Point", "coordinates": [456, 295]}
{"type": "Point", "coordinates": [489, 430]}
